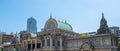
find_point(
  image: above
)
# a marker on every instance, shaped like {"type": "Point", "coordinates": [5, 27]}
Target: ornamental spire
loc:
{"type": "Point", "coordinates": [50, 15]}
{"type": "Point", "coordinates": [65, 20]}
{"type": "Point", "coordinates": [103, 20]}
{"type": "Point", "coordinates": [102, 15]}
{"type": "Point", "coordinates": [104, 29]}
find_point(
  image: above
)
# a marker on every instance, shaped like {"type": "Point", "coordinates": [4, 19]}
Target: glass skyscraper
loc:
{"type": "Point", "coordinates": [31, 25]}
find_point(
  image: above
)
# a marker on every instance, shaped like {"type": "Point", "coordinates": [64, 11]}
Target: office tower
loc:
{"type": "Point", "coordinates": [31, 25]}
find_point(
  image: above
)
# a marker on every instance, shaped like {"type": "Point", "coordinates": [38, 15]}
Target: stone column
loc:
{"type": "Point", "coordinates": [51, 42]}
{"type": "Point", "coordinates": [61, 42]}
{"type": "Point", "coordinates": [101, 42]}
{"type": "Point", "coordinates": [110, 49]}
{"type": "Point", "coordinates": [100, 49]}
{"type": "Point", "coordinates": [31, 45]}
{"type": "Point", "coordinates": [35, 44]}
{"type": "Point", "coordinates": [27, 46]}
{"type": "Point", "coordinates": [113, 42]}
{"type": "Point", "coordinates": [45, 42]}
{"type": "Point", "coordinates": [81, 49]}
{"type": "Point", "coordinates": [41, 44]}
{"type": "Point", "coordinates": [77, 43]}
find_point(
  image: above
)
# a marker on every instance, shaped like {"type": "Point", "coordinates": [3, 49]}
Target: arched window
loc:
{"type": "Point", "coordinates": [51, 25]}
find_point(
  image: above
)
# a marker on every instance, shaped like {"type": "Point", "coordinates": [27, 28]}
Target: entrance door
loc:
{"type": "Point", "coordinates": [86, 47]}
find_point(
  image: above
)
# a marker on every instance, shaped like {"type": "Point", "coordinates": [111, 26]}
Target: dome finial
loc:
{"type": "Point", "coordinates": [16, 32]}
{"type": "Point", "coordinates": [62, 20]}
{"type": "Point", "coordinates": [55, 17]}
{"type": "Point", "coordinates": [102, 15]}
{"type": "Point", "coordinates": [65, 20]}
{"type": "Point", "coordinates": [51, 15]}
{"type": "Point", "coordinates": [58, 19]}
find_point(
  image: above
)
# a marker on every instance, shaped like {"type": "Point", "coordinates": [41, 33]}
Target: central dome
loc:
{"type": "Point", "coordinates": [55, 24]}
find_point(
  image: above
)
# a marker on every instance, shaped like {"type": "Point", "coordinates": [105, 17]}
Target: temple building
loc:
{"type": "Point", "coordinates": [59, 36]}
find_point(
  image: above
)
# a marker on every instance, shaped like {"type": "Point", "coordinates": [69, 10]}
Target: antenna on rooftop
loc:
{"type": "Point", "coordinates": [50, 14]}
{"type": "Point", "coordinates": [65, 20]}
{"type": "Point", "coordinates": [62, 20]}
{"type": "Point", "coordinates": [58, 19]}
{"type": "Point", "coordinates": [55, 17]}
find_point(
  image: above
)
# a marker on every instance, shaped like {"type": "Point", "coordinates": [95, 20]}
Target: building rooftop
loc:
{"type": "Point", "coordinates": [33, 35]}
{"type": "Point", "coordinates": [63, 25]}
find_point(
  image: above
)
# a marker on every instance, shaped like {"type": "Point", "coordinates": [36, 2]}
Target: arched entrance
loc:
{"type": "Point", "coordinates": [86, 47]}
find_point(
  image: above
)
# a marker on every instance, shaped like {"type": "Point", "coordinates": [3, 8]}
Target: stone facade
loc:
{"type": "Point", "coordinates": [59, 36]}
{"type": "Point", "coordinates": [56, 37]}
{"type": "Point", "coordinates": [96, 43]}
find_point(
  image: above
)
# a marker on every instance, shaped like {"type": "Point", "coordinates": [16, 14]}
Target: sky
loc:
{"type": "Point", "coordinates": [82, 15]}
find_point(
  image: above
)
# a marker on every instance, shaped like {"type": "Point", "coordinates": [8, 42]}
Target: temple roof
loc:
{"type": "Point", "coordinates": [104, 29]}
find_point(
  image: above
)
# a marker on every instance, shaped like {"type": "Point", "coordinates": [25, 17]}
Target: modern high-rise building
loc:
{"type": "Point", "coordinates": [31, 25]}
